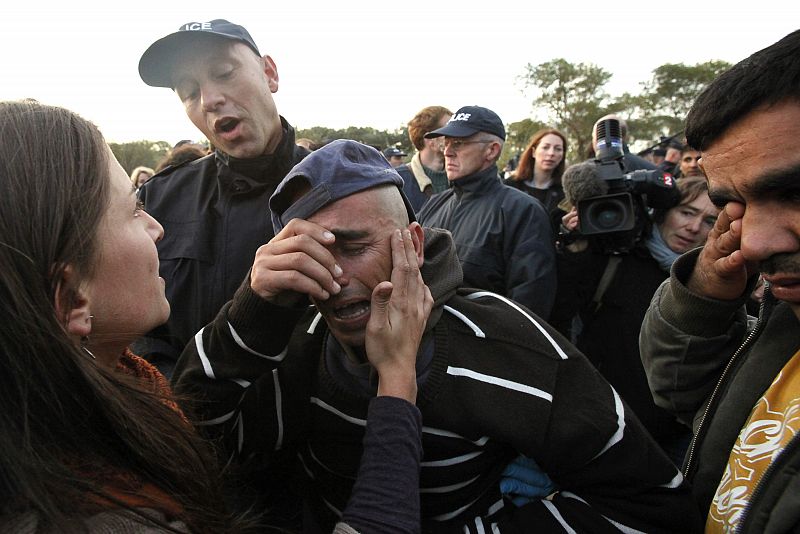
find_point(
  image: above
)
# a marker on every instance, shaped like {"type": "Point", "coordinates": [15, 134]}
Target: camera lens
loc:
{"type": "Point", "coordinates": [607, 215]}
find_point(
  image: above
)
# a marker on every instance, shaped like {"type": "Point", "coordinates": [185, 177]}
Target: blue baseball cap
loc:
{"type": "Point", "coordinates": [337, 170]}
{"type": "Point", "coordinates": [470, 120]}
{"type": "Point", "coordinates": [393, 151]}
{"type": "Point", "coordinates": [155, 65]}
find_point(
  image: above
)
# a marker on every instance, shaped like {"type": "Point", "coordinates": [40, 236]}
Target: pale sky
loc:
{"type": "Point", "coordinates": [366, 63]}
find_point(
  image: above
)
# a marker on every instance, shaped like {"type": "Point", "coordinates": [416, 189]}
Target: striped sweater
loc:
{"type": "Point", "coordinates": [500, 382]}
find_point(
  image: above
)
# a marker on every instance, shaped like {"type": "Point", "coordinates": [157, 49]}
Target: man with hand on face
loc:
{"type": "Point", "coordinates": [285, 370]}
{"type": "Point", "coordinates": [502, 235]}
{"type": "Point", "coordinates": [737, 380]}
{"type": "Point", "coordinates": [213, 209]}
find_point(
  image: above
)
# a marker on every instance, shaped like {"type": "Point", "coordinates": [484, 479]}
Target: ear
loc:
{"type": "Point", "coordinates": [71, 304]}
{"type": "Point", "coordinates": [495, 149]}
{"type": "Point", "coordinates": [271, 71]}
{"type": "Point", "coordinates": [418, 237]}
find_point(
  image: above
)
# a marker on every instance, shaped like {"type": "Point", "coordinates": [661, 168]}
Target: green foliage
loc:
{"type": "Point", "coordinates": [666, 98]}
{"type": "Point", "coordinates": [369, 136]}
{"type": "Point", "coordinates": [136, 153]}
{"type": "Point", "coordinates": [572, 97]}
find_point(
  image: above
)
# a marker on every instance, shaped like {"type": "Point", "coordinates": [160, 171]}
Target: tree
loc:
{"type": "Point", "coordinates": [572, 96]}
{"type": "Point", "coordinates": [369, 136]}
{"type": "Point", "coordinates": [131, 155]}
{"type": "Point", "coordinates": [665, 100]}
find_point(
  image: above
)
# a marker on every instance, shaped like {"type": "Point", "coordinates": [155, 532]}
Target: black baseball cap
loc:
{"type": "Point", "coordinates": [470, 120]}
{"type": "Point", "coordinates": [155, 65]}
{"type": "Point", "coordinates": [337, 170]}
{"type": "Point", "coordinates": [393, 151]}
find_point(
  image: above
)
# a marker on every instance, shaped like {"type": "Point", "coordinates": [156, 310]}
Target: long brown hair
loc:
{"type": "Point", "coordinates": [63, 415]}
{"type": "Point", "coordinates": [524, 170]}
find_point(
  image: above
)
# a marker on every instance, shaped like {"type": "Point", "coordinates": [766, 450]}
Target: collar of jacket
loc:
{"type": "Point", "coordinates": [419, 172]}
{"type": "Point", "coordinates": [263, 168]}
{"type": "Point", "coordinates": [441, 269]}
{"type": "Point", "coordinates": [477, 182]}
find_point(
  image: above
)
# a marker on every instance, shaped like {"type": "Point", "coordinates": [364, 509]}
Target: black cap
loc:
{"type": "Point", "coordinates": [155, 66]}
{"type": "Point", "coordinates": [393, 151]}
{"type": "Point", "coordinates": [339, 169]}
{"type": "Point", "coordinates": [470, 120]}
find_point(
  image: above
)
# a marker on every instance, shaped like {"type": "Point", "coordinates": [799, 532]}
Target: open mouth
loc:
{"type": "Point", "coordinates": [226, 125]}
{"type": "Point", "coordinates": [352, 310]}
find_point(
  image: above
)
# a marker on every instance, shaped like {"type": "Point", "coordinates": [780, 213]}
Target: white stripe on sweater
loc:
{"type": "Point", "coordinates": [619, 526]}
{"type": "Point", "coordinates": [676, 481]}
{"type": "Point", "coordinates": [216, 420]}
{"type": "Point", "coordinates": [454, 513]}
{"type": "Point", "coordinates": [237, 338]}
{"type": "Point", "coordinates": [452, 487]}
{"type": "Point", "coordinates": [533, 321]}
{"type": "Point", "coordinates": [313, 326]}
{"type": "Point", "coordinates": [201, 353]}
{"type": "Point", "coordinates": [502, 382]}
{"type": "Point", "coordinates": [447, 434]}
{"type": "Point", "coordinates": [425, 429]}
{"type": "Point", "coordinates": [327, 407]}
{"type": "Point", "coordinates": [617, 437]}
{"type": "Point", "coordinates": [208, 370]}
{"type": "Point", "coordinates": [470, 324]}
{"type": "Point", "coordinates": [558, 517]}
{"type": "Point", "coordinates": [240, 433]}
{"type": "Point", "coordinates": [278, 409]}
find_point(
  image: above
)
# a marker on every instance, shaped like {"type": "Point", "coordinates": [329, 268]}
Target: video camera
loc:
{"type": "Point", "coordinates": [615, 220]}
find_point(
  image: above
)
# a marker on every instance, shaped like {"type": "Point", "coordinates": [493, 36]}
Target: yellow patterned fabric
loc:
{"type": "Point", "coordinates": [772, 424]}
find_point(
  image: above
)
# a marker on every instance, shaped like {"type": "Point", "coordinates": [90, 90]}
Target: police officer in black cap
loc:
{"type": "Point", "coordinates": [214, 210]}
{"type": "Point", "coordinates": [502, 235]}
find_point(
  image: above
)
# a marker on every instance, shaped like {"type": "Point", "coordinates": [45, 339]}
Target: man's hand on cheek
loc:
{"type": "Point", "coordinates": [399, 312]}
{"type": "Point", "coordinates": [296, 264]}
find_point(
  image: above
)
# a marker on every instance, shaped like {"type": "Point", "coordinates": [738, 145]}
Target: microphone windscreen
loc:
{"type": "Point", "coordinates": [581, 181]}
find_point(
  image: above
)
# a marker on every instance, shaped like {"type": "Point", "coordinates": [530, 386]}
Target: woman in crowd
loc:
{"type": "Point", "coordinates": [140, 175]}
{"type": "Point", "coordinates": [91, 439]}
{"type": "Point", "coordinates": [541, 166]}
{"type": "Point", "coordinates": [604, 323]}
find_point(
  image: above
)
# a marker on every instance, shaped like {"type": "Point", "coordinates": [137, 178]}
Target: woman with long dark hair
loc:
{"type": "Point", "coordinates": [540, 167]}
{"type": "Point", "coordinates": [89, 437]}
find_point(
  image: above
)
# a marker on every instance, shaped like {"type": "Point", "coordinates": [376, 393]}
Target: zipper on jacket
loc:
{"type": "Point", "coordinates": [750, 337]}
{"type": "Point", "coordinates": [759, 489]}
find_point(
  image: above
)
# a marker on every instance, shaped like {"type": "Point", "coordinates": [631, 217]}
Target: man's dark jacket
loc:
{"type": "Point", "coordinates": [710, 363]}
{"type": "Point", "coordinates": [215, 214]}
{"type": "Point", "coordinates": [502, 236]}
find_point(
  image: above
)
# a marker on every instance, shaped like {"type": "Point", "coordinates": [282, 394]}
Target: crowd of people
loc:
{"type": "Point", "coordinates": [269, 335]}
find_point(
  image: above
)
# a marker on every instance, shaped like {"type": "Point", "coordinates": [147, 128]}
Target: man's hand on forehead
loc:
{"type": "Point", "coordinates": [296, 264]}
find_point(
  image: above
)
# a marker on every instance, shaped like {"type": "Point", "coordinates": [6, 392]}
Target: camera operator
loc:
{"type": "Point", "coordinates": [630, 161]}
{"type": "Point", "coordinates": [603, 293]}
